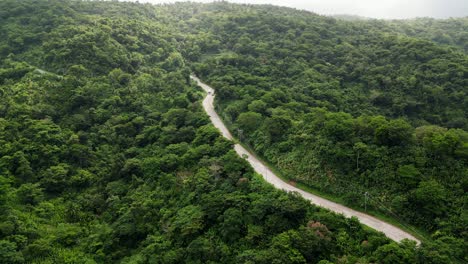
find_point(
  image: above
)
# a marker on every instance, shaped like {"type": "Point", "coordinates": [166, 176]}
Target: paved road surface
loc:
{"type": "Point", "coordinates": [390, 231]}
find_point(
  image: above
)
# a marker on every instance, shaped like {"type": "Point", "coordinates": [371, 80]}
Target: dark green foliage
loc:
{"type": "Point", "coordinates": [107, 157]}
{"type": "Point", "coordinates": [349, 107]}
{"type": "Point", "coordinates": [9, 253]}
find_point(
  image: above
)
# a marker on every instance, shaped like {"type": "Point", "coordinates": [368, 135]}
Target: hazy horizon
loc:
{"type": "Point", "coordinates": [384, 9]}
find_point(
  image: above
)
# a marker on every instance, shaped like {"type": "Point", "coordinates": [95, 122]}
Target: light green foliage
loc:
{"type": "Point", "coordinates": [393, 253]}
{"type": "Point", "coordinates": [188, 221]}
{"type": "Point", "coordinates": [249, 121]}
{"type": "Point", "coordinates": [30, 193]}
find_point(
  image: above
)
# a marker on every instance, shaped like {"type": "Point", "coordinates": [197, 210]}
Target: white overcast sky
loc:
{"type": "Point", "coordinates": [388, 9]}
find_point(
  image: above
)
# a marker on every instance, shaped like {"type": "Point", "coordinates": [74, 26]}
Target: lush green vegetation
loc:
{"type": "Point", "coordinates": [347, 108]}
{"type": "Point", "coordinates": [451, 32]}
{"type": "Point", "coordinates": [106, 155]}
{"type": "Point", "coordinates": [448, 32]}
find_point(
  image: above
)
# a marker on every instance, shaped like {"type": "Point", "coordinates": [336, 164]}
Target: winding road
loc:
{"type": "Point", "coordinates": [389, 230]}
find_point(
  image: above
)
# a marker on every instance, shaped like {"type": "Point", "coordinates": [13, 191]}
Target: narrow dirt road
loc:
{"type": "Point", "coordinates": [390, 231]}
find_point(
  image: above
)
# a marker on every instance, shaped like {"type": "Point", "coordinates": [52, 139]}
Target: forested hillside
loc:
{"type": "Point", "coordinates": [449, 32]}
{"type": "Point", "coordinates": [107, 157]}
{"type": "Point", "coordinates": [347, 109]}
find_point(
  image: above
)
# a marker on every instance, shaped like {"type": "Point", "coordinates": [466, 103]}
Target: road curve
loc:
{"type": "Point", "coordinates": [390, 231]}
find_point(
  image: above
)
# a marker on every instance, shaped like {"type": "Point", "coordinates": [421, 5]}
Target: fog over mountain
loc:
{"type": "Point", "coordinates": [386, 9]}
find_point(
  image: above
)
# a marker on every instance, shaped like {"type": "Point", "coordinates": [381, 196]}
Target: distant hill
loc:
{"type": "Point", "coordinates": [453, 31]}
{"type": "Point", "coordinates": [350, 17]}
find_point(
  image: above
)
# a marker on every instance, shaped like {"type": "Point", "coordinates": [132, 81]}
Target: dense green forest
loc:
{"type": "Point", "coordinates": [348, 107]}
{"type": "Point", "coordinates": [107, 157]}
{"type": "Point", "coordinates": [449, 32]}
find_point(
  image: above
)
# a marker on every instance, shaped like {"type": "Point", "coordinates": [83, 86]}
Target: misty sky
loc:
{"type": "Point", "coordinates": [388, 9]}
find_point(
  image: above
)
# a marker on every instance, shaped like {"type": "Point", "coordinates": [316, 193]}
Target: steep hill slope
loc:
{"type": "Point", "coordinates": [345, 108]}
{"type": "Point", "coordinates": [107, 156]}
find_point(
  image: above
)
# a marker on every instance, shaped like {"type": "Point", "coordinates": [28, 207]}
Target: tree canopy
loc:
{"type": "Point", "coordinates": [107, 157]}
